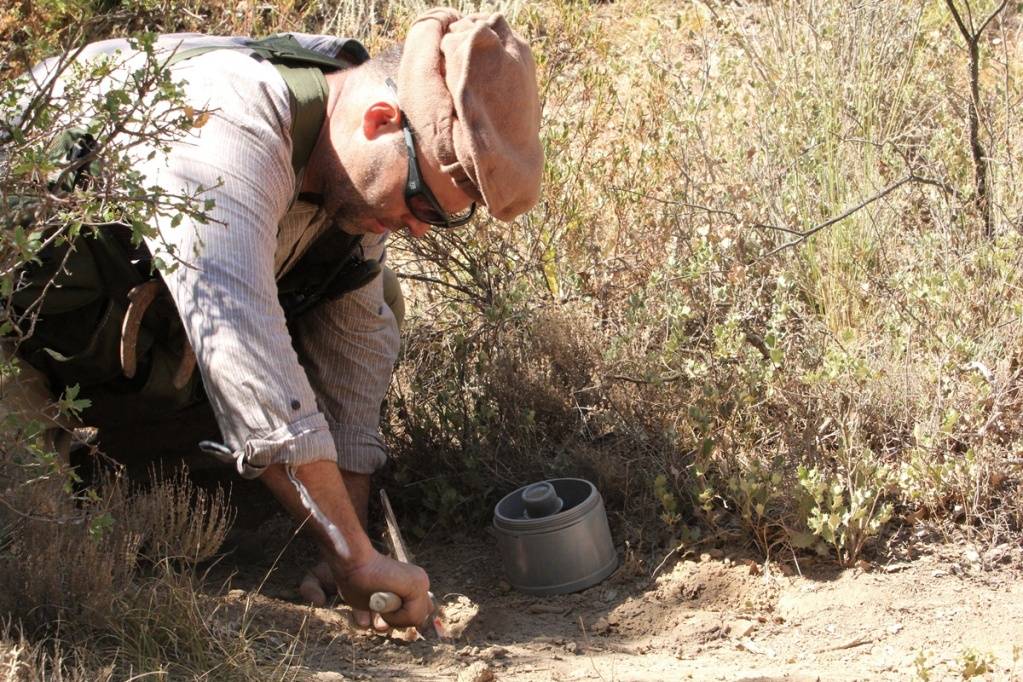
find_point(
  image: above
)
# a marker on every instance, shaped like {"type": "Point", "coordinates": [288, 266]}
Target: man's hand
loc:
{"type": "Point", "coordinates": [358, 569]}
{"type": "Point", "coordinates": [318, 582]}
{"type": "Point", "coordinates": [383, 574]}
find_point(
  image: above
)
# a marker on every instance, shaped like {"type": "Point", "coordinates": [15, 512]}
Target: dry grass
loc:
{"type": "Point", "coordinates": [102, 583]}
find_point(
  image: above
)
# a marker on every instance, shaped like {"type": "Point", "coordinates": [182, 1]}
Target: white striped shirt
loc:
{"type": "Point", "coordinates": [277, 399]}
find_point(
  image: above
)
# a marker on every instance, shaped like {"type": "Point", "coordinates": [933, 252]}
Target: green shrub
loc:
{"type": "Point", "coordinates": [843, 512]}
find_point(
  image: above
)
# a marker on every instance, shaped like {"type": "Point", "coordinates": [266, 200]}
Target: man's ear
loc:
{"type": "Point", "coordinates": [380, 118]}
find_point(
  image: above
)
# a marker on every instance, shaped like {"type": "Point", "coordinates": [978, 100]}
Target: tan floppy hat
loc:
{"type": "Point", "coordinates": [468, 87]}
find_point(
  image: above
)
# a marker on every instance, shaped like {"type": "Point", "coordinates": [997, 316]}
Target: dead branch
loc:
{"type": "Point", "coordinates": [977, 152]}
{"type": "Point", "coordinates": [800, 235]}
{"type": "Point", "coordinates": [842, 216]}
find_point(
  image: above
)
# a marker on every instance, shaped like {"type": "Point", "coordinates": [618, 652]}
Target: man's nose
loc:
{"type": "Point", "coordinates": [415, 227]}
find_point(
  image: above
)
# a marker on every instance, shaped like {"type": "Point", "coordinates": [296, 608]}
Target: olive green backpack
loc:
{"type": "Point", "coordinates": [77, 298]}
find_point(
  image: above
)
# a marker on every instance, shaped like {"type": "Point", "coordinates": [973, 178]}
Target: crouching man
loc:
{"type": "Point", "coordinates": [279, 317]}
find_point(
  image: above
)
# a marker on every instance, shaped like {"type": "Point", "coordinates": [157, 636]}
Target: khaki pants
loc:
{"type": "Point", "coordinates": [393, 297]}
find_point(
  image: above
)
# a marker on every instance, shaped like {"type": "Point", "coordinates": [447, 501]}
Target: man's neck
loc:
{"type": "Point", "coordinates": [337, 85]}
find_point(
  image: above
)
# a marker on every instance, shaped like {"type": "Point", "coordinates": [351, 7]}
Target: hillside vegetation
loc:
{"type": "Point", "coordinates": [770, 297]}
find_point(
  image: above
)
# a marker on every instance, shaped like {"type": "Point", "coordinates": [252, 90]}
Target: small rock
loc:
{"type": "Point", "coordinates": [705, 557]}
{"type": "Point", "coordinates": [458, 614]}
{"type": "Point", "coordinates": [754, 648]}
{"type": "Point", "coordinates": [741, 628]}
{"type": "Point", "coordinates": [405, 635]}
{"type": "Point", "coordinates": [691, 591]}
{"type": "Point", "coordinates": [477, 672]}
{"type": "Point", "coordinates": [572, 648]}
{"type": "Point", "coordinates": [894, 628]}
{"type": "Point", "coordinates": [329, 677]}
{"type": "Point", "coordinates": [236, 594]}
{"type": "Point", "coordinates": [495, 652]}
{"type": "Point", "coordinates": [972, 556]}
{"type": "Point", "coordinates": [997, 554]}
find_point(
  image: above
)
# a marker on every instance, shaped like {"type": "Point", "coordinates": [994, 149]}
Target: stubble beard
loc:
{"type": "Point", "coordinates": [348, 208]}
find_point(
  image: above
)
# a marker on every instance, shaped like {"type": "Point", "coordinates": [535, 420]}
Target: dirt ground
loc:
{"type": "Point", "coordinates": [718, 616]}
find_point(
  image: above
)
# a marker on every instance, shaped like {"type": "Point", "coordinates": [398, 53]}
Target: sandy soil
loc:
{"type": "Point", "coordinates": [717, 616]}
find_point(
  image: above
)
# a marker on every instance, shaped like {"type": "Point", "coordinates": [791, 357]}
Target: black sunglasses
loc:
{"type": "Point", "coordinates": [420, 200]}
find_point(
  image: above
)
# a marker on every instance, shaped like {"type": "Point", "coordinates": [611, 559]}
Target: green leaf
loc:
{"type": "Point", "coordinates": [71, 404]}
{"type": "Point", "coordinates": [100, 525]}
{"type": "Point", "coordinates": [801, 539]}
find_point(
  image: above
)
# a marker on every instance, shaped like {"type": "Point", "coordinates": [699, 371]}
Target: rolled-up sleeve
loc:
{"type": "Point", "coordinates": [349, 347]}
{"type": "Point", "coordinates": [225, 289]}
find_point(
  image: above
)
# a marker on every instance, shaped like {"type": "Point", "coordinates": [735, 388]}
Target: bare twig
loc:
{"type": "Point", "coordinates": [664, 561]}
{"type": "Point", "coordinates": [851, 644]}
{"type": "Point", "coordinates": [803, 236]}
{"type": "Point", "coordinates": [707, 209]}
{"type": "Point", "coordinates": [667, 379]}
{"type": "Point", "coordinates": [991, 16]}
{"type": "Point", "coordinates": [432, 280]}
{"type": "Point", "coordinates": [980, 161]}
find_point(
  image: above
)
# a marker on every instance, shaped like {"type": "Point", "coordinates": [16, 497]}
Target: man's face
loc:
{"type": "Point", "coordinates": [366, 189]}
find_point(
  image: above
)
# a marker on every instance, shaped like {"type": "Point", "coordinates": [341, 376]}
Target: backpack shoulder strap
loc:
{"type": "Point", "coordinates": [302, 70]}
{"type": "Point", "coordinates": [307, 91]}
{"type": "Point", "coordinates": [284, 47]}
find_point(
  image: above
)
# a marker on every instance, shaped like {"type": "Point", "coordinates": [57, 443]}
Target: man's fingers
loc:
{"type": "Point", "coordinates": [363, 619]}
{"type": "Point", "coordinates": [312, 591]}
{"type": "Point", "coordinates": [322, 572]}
{"type": "Point", "coordinates": [317, 583]}
{"type": "Point", "coordinates": [413, 612]}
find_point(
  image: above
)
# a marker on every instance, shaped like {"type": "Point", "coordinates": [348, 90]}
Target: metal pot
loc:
{"type": "Point", "coordinates": [554, 538]}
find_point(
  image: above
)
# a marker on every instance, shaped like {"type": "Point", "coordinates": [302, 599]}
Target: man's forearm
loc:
{"type": "Point", "coordinates": [318, 497]}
